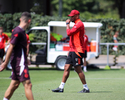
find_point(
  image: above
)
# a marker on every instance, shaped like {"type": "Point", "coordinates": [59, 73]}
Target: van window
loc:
{"type": "Point", "coordinates": [37, 36]}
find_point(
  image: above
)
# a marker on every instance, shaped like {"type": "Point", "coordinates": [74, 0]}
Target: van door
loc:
{"type": "Point", "coordinates": [38, 46]}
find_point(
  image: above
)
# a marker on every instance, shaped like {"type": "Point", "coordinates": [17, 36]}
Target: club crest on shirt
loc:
{"type": "Point", "coordinates": [16, 35]}
{"type": "Point", "coordinates": [74, 26]}
{"type": "Point", "coordinates": [0, 39]}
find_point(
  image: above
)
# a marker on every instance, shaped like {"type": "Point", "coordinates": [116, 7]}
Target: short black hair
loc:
{"type": "Point", "coordinates": [26, 14]}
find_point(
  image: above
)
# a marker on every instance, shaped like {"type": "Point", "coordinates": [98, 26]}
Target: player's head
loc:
{"type": "Point", "coordinates": [74, 14]}
{"type": "Point", "coordinates": [26, 18]}
{"type": "Point", "coordinates": [117, 33]}
{"type": "Point", "coordinates": [1, 30]}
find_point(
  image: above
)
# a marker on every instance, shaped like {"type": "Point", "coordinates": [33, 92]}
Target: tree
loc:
{"type": "Point", "coordinates": [81, 5]}
{"type": "Point", "coordinates": [120, 4]}
{"type": "Point", "coordinates": [40, 7]}
{"type": "Point", "coordinates": [88, 8]}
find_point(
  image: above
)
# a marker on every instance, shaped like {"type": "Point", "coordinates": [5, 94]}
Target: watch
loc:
{"type": "Point", "coordinates": [67, 23]}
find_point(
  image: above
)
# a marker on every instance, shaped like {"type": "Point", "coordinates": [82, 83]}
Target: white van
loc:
{"type": "Point", "coordinates": [56, 52]}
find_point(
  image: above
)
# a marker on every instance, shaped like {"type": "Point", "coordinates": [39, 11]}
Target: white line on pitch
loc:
{"type": "Point", "coordinates": [4, 78]}
{"type": "Point", "coordinates": [100, 78]}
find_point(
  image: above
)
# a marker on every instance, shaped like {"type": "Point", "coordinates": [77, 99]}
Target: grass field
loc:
{"type": "Point", "coordinates": [103, 84]}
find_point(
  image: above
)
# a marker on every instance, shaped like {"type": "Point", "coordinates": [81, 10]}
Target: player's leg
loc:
{"type": "Point", "coordinates": [81, 74]}
{"type": "Point", "coordinates": [28, 89]}
{"type": "Point", "coordinates": [12, 87]}
{"type": "Point", "coordinates": [77, 65]}
{"type": "Point", "coordinates": [1, 55]}
{"type": "Point", "coordinates": [66, 73]}
{"type": "Point", "coordinates": [85, 65]}
{"type": "Point", "coordinates": [82, 78]}
{"type": "Point", "coordinates": [1, 60]}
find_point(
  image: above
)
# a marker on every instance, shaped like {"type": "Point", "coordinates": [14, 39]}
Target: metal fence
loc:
{"type": "Point", "coordinates": [108, 44]}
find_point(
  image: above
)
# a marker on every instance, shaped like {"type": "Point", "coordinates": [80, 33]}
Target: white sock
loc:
{"type": "Point", "coordinates": [85, 86]}
{"type": "Point", "coordinates": [84, 67]}
{"type": "Point", "coordinates": [5, 98]}
{"type": "Point", "coordinates": [62, 85]}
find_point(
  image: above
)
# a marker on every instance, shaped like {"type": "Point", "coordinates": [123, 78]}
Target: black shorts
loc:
{"type": "Point", "coordinates": [74, 59]}
{"type": "Point", "coordinates": [1, 53]}
{"type": "Point", "coordinates": [85, 54]}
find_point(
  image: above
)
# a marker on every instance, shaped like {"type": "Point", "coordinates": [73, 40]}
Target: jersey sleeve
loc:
{"type": "Point", "coordinates": [14, 38]}
{"type": "Point", "coordinates": [74, 30]}
{"type": "Point", "coordinates": [114, 38]}
{"type": "Point", "coordinates": [86, 38]}
{"type": "Point", "coordinates": [28, 40]}
{"type": "Point", "coordinates": [6, 37]}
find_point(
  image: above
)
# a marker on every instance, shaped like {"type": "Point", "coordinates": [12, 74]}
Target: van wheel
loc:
{"type": "Point", "coordinates": [60, 62]}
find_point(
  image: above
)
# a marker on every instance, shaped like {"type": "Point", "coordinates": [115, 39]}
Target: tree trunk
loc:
{"type": "Point", "coordinates": [123, 10]}
{"type": "Point", "coordinates": [121, 7]}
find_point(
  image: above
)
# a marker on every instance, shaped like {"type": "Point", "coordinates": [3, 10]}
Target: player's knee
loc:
{"type": "Point", "coordinates": [66, 67]}
{"type": "Point", "coordinates": [28, 85]}
{"type": "Point", "coordinates": [16, 86]}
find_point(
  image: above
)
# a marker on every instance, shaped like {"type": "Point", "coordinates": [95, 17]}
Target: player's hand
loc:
{"type": "Point", "coordinates": [28, 61]}
{"type": "Point", "coordinates": [2, 66]}
{"type": "Point", "coordinates": [68, 21]}
{"type": "Point", "coordinates": [67, 53]}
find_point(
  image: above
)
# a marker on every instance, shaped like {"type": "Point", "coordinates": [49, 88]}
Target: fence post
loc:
{"type": "Point", "coordinates": [107, 66]}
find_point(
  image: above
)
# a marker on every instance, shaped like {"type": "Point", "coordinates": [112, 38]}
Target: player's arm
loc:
{"type": "Point", "coordinates": [27, 49]}
{"type": "Point", "coordinates": [7, 39]}
{"type": "Point", "coordinates": [8, 42]}
{"type": "Point", "coordinates": [74, 30]}
{"type": "Point", "coordinates": [115, 39]}
{"type": "Point", "coordinates": [9, 51]}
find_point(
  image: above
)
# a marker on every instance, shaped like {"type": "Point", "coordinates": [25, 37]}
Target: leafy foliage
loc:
{"type": "Point", "coordinates": [88, 8]}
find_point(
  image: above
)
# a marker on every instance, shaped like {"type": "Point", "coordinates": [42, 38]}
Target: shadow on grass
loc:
{"type": "Point", "coordinates": [91, 67]}
{"type": "Point", "coordinates": [101, 92]}
{"type": "Point", "coordinates": [42, 68]}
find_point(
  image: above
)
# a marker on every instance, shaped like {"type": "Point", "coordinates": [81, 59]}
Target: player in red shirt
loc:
{"type": "Point", "coordinates": [76, 51]}
{"type": "Point", "coordinates": [3, 39]}
{"type": "Point", "coordinates": [85, 54]}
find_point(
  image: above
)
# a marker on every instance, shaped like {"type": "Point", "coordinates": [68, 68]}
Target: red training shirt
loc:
{"type": "Point", "coordinates": [27, 37]}
{"type": "Point", "coordinates": [3, 39]}
{"type": "Point", "coordinates": [85, 41]}
{"type": "Point", "coordinates": [76, 37]}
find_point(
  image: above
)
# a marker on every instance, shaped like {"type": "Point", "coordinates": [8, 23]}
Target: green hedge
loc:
{"type": "Point", "coordinates": [9, 21]}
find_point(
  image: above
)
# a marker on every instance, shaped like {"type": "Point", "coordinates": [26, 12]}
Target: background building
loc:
{"type": "Point", "coordinates": [12, 6]}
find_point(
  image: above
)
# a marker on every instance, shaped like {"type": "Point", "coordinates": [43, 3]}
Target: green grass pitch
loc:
{"type": "Point", "coordinates": [103, 85]}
